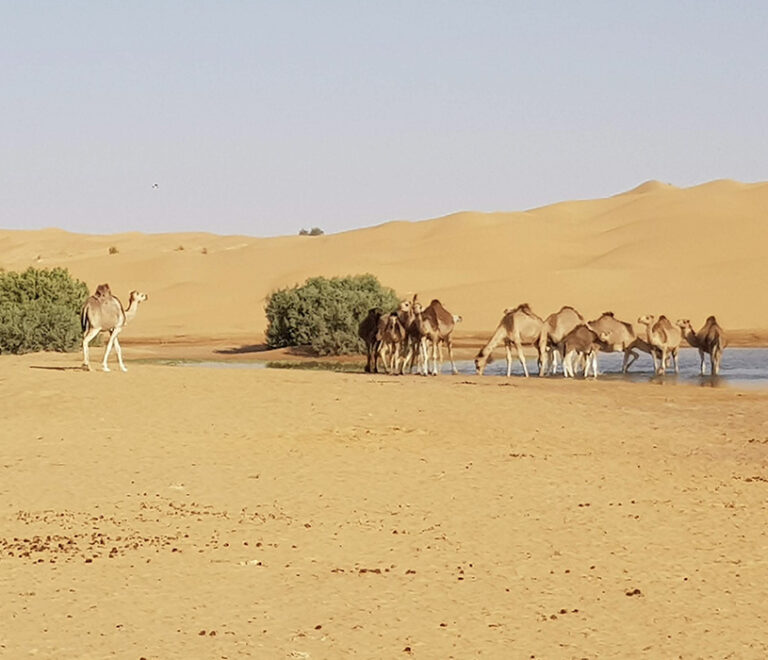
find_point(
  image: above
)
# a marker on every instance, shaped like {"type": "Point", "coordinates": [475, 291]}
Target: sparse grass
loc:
{"type": "Point", "coordinates": [180, 248]}
{"type": "Point", "coordinates": [113, 249]}
{"type": "Point", "coordinates": [204, 250]}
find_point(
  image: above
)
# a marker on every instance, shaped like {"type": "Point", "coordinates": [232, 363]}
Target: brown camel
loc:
{"type": "Point", "coordinates": [433, 327]}
{"type": "Point", "coordinates": [367, 331]}
{"type": "Point", "coordinates": [584, 342]}
{"type": "Point", "coordinates": [390, 336]}
{"type": "Point", "coordinates": [710, 340]}
{"type": "Point", "coordinates": [620, 336]}
{"type": "Point", "coordinates": [104, 312]}
{"type": "Point", "coordinates": [556, 326]}
{"type": "Point", "coordinates": [665, 338]}
{"type": "Point", "coordinates": [518, 327]}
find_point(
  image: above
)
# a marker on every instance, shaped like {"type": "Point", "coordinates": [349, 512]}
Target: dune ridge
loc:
{"type": "Point", "coordinates": [683, 252]}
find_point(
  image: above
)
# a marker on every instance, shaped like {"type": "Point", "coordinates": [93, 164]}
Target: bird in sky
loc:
{"type": "Point", "coordinates": [154, 185]}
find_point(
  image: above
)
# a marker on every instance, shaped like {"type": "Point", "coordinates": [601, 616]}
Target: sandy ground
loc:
{"type": "Point", "coordinates": [221, 513]}
{"type": "Point", "coordinates": [685, 253]}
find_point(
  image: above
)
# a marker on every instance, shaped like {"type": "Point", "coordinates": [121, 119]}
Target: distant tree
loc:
{"type": "Point", "coordinates": [325, 313]}
{"type": "Point", "coordinates": [315, 231]}
{"type": "Point", "coordinates": [39, 310]}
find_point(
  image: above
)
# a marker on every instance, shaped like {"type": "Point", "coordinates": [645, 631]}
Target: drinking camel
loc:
{"type": "Point", "coordinates": [518, 327]}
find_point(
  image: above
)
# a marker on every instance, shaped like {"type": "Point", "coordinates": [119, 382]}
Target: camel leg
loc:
{"type": "Point", "coordinates": [119, 352]}
{"type": "Point", "coordinates": [439, 365]}
{"type": "Point", "coordinates": [555, 355]}
{"type": "Point", "coordinates": [701, 357]}
{"type": "Point", "coordinates": [675, 361]}
{"type": "Point", "coordinates": [108, 349]}
{"type": "Point", "coordinates": [508, 346]}
{"type": "Point", "coordinates": [714, 360]}
{"type": "Point", "coordinates": [630, 357]}
{"type": "Point", "coordinates": [435, 351]}
{"type": "Point", "coordinates": [594, 364]}
{"type": "Point", "coordinates": [521, 357]}
{"type": "Point", "coordinates": [663, 364]}
{"type": "Point", "coordinates": [568, 364]}
{"type": "Point", "coordinates": [87, 339]}
{"type": "Point", "coordinates": [449, 344]}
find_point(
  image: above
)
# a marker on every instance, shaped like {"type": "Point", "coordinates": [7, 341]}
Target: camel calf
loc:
{"type": "Point", "coordinates": [582, 341]}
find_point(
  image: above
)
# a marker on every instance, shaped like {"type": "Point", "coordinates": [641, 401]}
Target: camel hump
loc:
{"type": "Point", "coordinates": [608, 314]}
{"type": "Point", "coordinates": [103, 292]}
{"type": "Point", "coordinates": [711, 320]}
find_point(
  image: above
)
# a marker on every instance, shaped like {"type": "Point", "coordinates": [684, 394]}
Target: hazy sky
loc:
{"type": "Point", "coordinates": [262, 118]}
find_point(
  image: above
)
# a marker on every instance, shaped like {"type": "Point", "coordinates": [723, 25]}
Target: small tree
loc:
{"type": "Point", "coordinates": [39, 310]}
{"type": "Point", "coordinates": [315, 231]}
{"type": "Point", "coordinates": [325, 313]}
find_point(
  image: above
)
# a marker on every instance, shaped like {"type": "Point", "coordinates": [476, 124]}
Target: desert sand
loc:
{"type": "Point", "coordinates": [656, 249]}
{"type": "Point", "coordinates": [193, 512]}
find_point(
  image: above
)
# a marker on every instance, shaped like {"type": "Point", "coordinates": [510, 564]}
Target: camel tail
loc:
{"type": "Point", "coordinates": [84, 322]}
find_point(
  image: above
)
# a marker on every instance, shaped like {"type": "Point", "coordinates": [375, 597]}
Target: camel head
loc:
{"type": "Point", "coordinates": [685, 325]}
{"type": "Point", "coordinates": [417, 308]}
{"type": "Point", "coordinates": [404, 306]}
{"type": "Point", "coordinates": [481, 361]}
{"type": "Point", "coordinates": [457, 318]}
{"type": "Point", "coordinates": [648, 319]}
{"type": "Point", "coordinates": [136, 297]}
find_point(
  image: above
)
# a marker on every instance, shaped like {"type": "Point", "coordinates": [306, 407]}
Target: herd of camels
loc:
{"type": "Point", "coordinates": [414, 336]}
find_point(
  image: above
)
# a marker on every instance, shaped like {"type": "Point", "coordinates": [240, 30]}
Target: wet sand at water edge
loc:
{"type": "Point", "coordinates": [202, 513]}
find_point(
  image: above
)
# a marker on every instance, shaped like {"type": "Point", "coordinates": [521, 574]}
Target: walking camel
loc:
{"type": "Point", "coordinates": [103, 312]}
{"type": "Point", "coordinates": [710, 340]}
{"type": "Point", "coordinates": [665, 338]}
{"type": "Point", "coordinates": [620, 336]}
{"type": "Point", "coordinates": [518, 327]}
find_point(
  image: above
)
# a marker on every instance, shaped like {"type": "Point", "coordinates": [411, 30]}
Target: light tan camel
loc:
{"type": "Point", "coordinates": [665, 338]}
{"type": "Point", "coordinates": [518, 327]}
{"type": "Point", "coordinates": [710, 340]}
{"type": "Point", "coordinates": [390, 336]}
{"type": "Point", "coordinates": [620, 336]}
{"type": "Point", "coordinates": [433, 327]}
{"type": "Point", "coordinates": [367, 331]}
{"type": "Point", "coordinates": [411, 344]}
{"type": "Point", "coordinates": [104, 312]}
{"type": "Point", "coordinates": [580, 342]}
{"type": "Point", "coordinates": [556, 326]}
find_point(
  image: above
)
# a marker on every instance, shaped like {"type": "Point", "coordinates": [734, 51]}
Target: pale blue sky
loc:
{"type": "Point", "coordinates": [261, 118]}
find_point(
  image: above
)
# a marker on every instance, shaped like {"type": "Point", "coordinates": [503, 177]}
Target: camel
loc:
{"type": "Point", "coordinates": [412, 343]}
{"type": "Point", "coordinates": [710, 340]}
{"type": "Point", "coordinates": [556, 327]}
{"type": "Point", "coordinates": [665, 338]}
{"type": "Point", "coordinates": [390, 336]}
{"type": "Point", "coordinates": [433, 326]}
{"type": "Point", "coordinates": [104, 312]}
{"type": "Point", "coordinates": [518, 327]}
{"type": "Point", "coordinates": [620, 336]}
{"type": "Point", "coordinates": [581, 341]}
{"type": "Point", "coordinates": [367, 331]}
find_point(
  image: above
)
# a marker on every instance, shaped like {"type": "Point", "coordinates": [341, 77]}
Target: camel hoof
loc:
{"type": "Point", "coordinates": [86, 367]}
{"type": "Point", "coordinates": [106, 368]}
{"type": "Point", "coordinates": [123, 369]}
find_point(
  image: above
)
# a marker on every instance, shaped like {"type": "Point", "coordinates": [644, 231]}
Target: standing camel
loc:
{"type": "Point", "coordinates": [518, 327]}
{"type": "Point", "coordinates": [556, 326]}
{"type": "Point", "coordinates": [710, 340]}
{"type": "Point", "coordinates": [390, 337]}
{"type": "Point", "coordinates": [433, 327]}
{"type": "Point", "coordinates": [665, 338]}
{"type": "Point", "coordinates": [104, 312]}
{"type": "Point", "coordinates": [582, 341]}
{"type": "Point", "coordinates": [367, 331]}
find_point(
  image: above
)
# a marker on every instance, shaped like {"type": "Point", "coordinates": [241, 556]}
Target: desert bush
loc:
{"type": "Point", "coordinates": [325, 313]}
{"type": "Point", "coordinates": [113, 250]}
{"type": "Point", "coordinates": [315, 231]}
{"type": "Point", "coordinates": [39, 310]}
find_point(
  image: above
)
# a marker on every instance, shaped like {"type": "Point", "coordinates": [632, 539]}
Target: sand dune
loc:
{"type": "Point", "coordinates": [656, 248]}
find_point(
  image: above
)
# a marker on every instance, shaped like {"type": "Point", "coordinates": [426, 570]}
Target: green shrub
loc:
{"type": "Point", "coordinates": [325, 313]}
{"type": "Point", "coordinates": [40, 310]}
